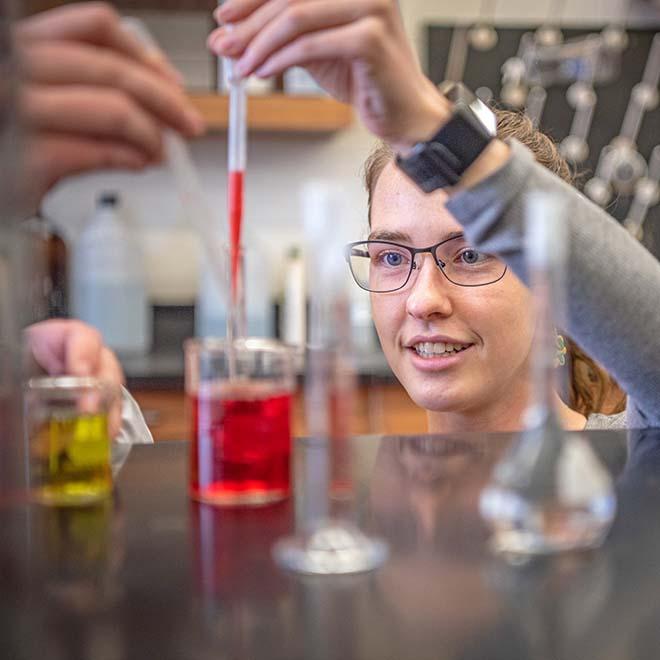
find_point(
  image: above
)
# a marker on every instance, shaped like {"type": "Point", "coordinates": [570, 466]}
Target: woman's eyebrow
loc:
{"type": "Point", "coordinates": [396, 236]}
{"type": "Point", "coordinates": [384, 235]}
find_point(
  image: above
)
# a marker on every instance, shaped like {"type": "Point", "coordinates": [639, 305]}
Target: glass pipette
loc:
{"type": "Point", "coordinates": [237, 143]}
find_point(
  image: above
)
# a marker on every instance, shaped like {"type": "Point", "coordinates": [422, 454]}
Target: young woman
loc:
{"type": "Point", "coordinates": [459, 338]}
{"type": "Point", "coordinates": [357, 49]}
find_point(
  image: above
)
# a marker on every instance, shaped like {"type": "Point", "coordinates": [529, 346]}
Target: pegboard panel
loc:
{"type": "Point", "coordinates": [483, 68]}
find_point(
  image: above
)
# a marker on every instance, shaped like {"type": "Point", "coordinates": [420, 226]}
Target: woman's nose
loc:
{"type": "Point", "coordinates": [429, 293]}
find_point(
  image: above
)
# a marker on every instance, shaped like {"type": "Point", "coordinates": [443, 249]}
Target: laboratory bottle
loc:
{"type": "Point", "coordinates": [48, 281]}
{"type": "Point", "coordinates": [109, 289]}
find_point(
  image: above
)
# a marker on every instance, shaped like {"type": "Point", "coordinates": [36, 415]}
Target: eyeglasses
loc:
{"type": "Point", "coordinates": [384, 266]}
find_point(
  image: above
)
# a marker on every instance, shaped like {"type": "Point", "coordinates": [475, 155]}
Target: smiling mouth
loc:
{"type": "Point", "coordinates": [437, 349]}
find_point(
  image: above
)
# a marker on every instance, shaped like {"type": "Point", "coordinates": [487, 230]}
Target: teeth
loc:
{"type": "Point", "coordinates": [431, 349]}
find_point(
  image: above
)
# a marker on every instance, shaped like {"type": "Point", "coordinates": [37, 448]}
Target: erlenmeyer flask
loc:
{"type": "Point", "coordinates": [550, 492]}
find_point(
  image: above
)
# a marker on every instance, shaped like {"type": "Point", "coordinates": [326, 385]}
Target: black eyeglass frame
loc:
{"type": "Point", "coordinates": [413, 266]}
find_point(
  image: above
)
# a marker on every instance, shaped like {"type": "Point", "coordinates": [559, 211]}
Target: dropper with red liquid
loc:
{"type": "Point", "coordinates": [235, 210]}
{"type": "Point", "coordinates": [237, 143]}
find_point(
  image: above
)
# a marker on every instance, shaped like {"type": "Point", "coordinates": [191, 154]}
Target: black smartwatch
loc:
{"type": "Point", "coordinates": [442, 160]}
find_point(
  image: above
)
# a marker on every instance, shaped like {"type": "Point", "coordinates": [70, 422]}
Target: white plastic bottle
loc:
{"type": "Point", "coordinates": [108, 281]}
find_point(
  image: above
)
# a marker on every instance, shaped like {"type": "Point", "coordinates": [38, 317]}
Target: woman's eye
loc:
{"type": "Point", "coordinates": [391, 259]}
{"type": "Point", "coordinates": [471, 257]}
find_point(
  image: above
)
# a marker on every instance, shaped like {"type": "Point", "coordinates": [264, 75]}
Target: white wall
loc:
{"type": "Point", "coordinates": [277, 165]}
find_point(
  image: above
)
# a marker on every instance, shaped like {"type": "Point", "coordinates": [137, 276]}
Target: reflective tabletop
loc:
{"type": "Point", "coordinates": [152, 574]}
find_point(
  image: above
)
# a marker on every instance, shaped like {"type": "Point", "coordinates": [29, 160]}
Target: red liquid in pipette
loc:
{"type": "Point", "coordinates": [235, 204]}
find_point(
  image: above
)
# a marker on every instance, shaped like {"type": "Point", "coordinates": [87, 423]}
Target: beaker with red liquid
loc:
{"type": "Point", "coordinates": [239, 404]}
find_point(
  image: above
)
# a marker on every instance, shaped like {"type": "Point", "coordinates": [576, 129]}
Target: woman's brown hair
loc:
{"type": "Point", "coordinates": [591, 389]}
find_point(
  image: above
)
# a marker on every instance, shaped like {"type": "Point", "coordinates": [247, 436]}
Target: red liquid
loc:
{"type": "Point", "coordinates": [235, 203]}
{"type": "Point", "coordinates": [240, 449]}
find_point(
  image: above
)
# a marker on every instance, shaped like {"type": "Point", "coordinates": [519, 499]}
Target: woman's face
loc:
{"type": "Point", "coordinates": [494, 322]}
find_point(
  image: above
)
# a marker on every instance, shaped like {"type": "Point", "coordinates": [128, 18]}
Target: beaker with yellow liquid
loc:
{"type": "Point", "coordinates": [68, 439]}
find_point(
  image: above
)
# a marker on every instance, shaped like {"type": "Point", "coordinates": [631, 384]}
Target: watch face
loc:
{"type": "Point", "coordinates": [485, 115]}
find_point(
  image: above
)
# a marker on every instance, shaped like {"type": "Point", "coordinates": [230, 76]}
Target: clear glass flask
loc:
{"type": "Point", "coordinates": [550, 492]}
{"type": "Point", "coordinates": [326, 542]}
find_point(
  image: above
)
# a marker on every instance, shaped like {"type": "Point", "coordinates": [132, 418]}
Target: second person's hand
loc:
{"type": "Point", "coordinates": [356, 49]}
{"type": "Point", "coordinates": [92, 96]}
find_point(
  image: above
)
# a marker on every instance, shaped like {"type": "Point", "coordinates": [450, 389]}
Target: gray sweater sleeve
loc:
{"type": "Point", "coordinates": [613, 281]}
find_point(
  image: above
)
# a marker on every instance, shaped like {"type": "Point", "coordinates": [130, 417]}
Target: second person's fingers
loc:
{"type": "Point", "coordinates": [91, 112]}
{"type": "Point", "coordinates": [96, 23]}
{"type": "Point", "coordinates": [59, 63]}
{"type": "Point", "coordinates": [51, 157]}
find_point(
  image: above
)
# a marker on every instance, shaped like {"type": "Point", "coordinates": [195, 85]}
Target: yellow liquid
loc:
{"type": "Point", "coordinates": [71, 460]}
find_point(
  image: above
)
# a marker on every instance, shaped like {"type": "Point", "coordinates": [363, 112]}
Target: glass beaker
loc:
{"type": "Point", "coordinates": [68, 438]}
{"type": "Point", "coordinates": [239, 398]}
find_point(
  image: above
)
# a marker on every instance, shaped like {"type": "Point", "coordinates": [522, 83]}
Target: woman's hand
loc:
{"type": "Point", "coordinates": [356, 49]}
{"type": "Point", "coordinates": [92, 96]}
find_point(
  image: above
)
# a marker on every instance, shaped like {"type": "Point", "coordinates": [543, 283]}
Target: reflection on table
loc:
{"type": "Point", "coordinates": [156, 575]}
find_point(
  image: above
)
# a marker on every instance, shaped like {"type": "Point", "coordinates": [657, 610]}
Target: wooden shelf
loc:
{"type": "Point", "coordinates": [278, 113]}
